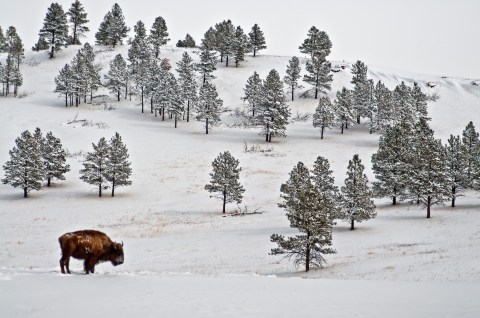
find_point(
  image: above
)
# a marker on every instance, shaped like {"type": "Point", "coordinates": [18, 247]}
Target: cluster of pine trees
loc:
{"type": "Point", "coordinates": [10, 75]}
{"type": "Point", "coordinates": [80, 78]}
{"type": "Point", "coordinates": [231, 42]}
{"type": "Point", "coordinates": [412, 165]}
{"type": "Point", "coordinates": [34, 159]}
{"type": "Point", "coordinates": [55, 32]}
{"type": "Point", "coordinates": [383, 107]}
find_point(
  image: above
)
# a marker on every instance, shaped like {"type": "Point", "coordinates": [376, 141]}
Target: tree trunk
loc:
{"type": "Point", "coordinates": [175, 120]}
{"type": "Point", "coordinates": [66, 100]}
{"type": "Point", "coordinates": [163, 113]}
{"type": "Point", "coordinates": [224, 200]}
{"type": "Point", "coordinates": [113, 187]}
{"type": "Point", "coordinates": [254, 52]}
{"type": "Point", "coordinates": [25, 192]}
{"type": "Point", "coordinates": [342, 127]}
{"type": "Point", "coordinates": [100, 190]}
{"type": "Point", "coordinates": [118, 96]}
{"type": "Point", "coordinates": [142, 98]}
{"type": "Point", "coordinates": [206, 125]}
{"type": "Point", "coordinates": [48, 181]}
{"type": "Point", "coordinates": [188, 111]}
{"type": "Point", "coordinates": [151, 105]}
{"type": "Point", "coordinates": [316, 93]}
{"type": "Point", "coordinates": [358, 119]}
{"type": "Point", "coordinates": [394, 196]}
{"type": "Point", "coordinates": [453, 196]}
{"type": "Point", "coordinates": [429, 203]}
{"type": "Point", "coordinates": [352, 224]}
{"type": "Point", "coordinates": [226, 59]}
{"type": "Point", "coordinates": [293, 90]}
{"type": "Point", "coordinates": [307, 253]}
{"type": "Point", "coordinates": [321, 134]}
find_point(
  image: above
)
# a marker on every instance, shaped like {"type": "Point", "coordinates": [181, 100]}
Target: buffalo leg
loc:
{"type": "Point", "coordinates": [90, 265]}
{"type": "Point", "coordinates": [65, 262]}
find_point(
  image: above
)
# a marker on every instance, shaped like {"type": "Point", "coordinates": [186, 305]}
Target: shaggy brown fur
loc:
{"type": "Point", "coordinates": [90, 245]}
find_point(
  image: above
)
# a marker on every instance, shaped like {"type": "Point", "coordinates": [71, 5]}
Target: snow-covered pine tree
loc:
{"type": "Point", "coordinates": [224, 38]}
{"type": "Point", "coordinates": [16, 78]}
{"type": "Point", "coordinates": [41, 44]}
{"type": "Point", "coordinates": [344, 108]}
{"type": "Point", "coordinates": [158, 35]}
{"type": "Point", "coordinates": [3, 41]}
{"type": "Point", "coordinates": [471, 144]}
{"type": "Point", "coordinates": [293, 75]}
{"type": "Point", "coordinates": [257, 39]}
{"type": "Point", "coordinates": [208, 61]}
{"type": "Point", "coordinates": [357, 203]}
{"type": "Point", "coordinates": [240, 46]}
{"type": "Point", "coordinates": [8, 74]}
{"type": "Point", "coordinates": [363, 99]}
{"type": "Point", "coordinates": [188, 42]}
{"type": "Point", "coordinates": [186, 79]}
{"type": "Point", "coordinates": [175, 99]}
{"type": "Point", "coordinates": [317, 44]}
{"type": "Point", "coordinates": [309, 212]}
{"type": "Point", "coordinates": [95, 169]}
{"type": "Point", "coordinates": [54, 158]}
{"type": "Point", "coordinates": [419, 102]}
{"type": "Point", "coordinates": [253, 92]}
{"type": "Point", "coordinates": [429, 182]}
{"type": "Point", "coordinates": [209, 106]}
{"type": "Point", "coordinates": [14, 46]}
{"type": "Point", "coordinates": [78, 19]}
{"type": "Point", "coordinates": [2, 79]}
{"type": "Point", "coordinates": [113, 29]}
{"type": "Point", "coordinates": [385, 112]}
{"type": "Point", "coordinates": [359, 72]}
{"type": "Point", "coordinates": [391, 163]}
{"type": "Point", "coordinates": [318, 75]}
{"type": "Point", "coordinates": [455, 162]}
{"type": "Point", "coordinates": [92, 71]}
{"type": "Point", "coordinates": [325, 183]}
{"type": "Point", "coordinates": [116, 76]}
{"type": "Point", "coordinates": [118, 170]}
{"type": "Point", "coordinates": [24, 169]}
{"type": "Point", "coordinates": [224, 183]}
{"type": "Point", "coordinates": [404, 104]}
{"type": "Point", "coordinates": [140, 57]}
{"type": "Point", "coordinates": [325, 115]}
{"type": "Point", "coordinates": [273, 111]}
{"type": "Point", "coordinates": [55, 28]}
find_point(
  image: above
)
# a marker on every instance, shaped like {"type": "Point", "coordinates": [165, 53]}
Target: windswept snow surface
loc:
{"type": "Point", "coordinates": [399, 264]}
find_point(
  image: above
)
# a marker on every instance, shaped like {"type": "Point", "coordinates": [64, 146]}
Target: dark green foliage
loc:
{"type": "Point", "coordinates": [471, 144]}
{"type": "Point", "coordinates": [113, 29]}
{"type": "Point", "coordinates": [158, 35]}
{"type": "Point", "coordinates": [324, 116]}
{"type": "Point", "coordinates": [456, 161]}
{"type": "Point", "coordinates": [253, 92]}
{"type": "Point", "coordinates": [209, 106]}
{"type": "Point", "coordinates": [317, 45]}
{"type": "Point", "coordinates": [293, 75]}
{"type": "Point", "coordinates": [224, 183]}
{"type": "Point", "coordinates": [54, 158]}
{"type": "Point", "coordinates": [257, 39]}
{"type": "Point", "coordinates": [188, 42]}
{"type": "Point", "coordinates": [95, 166]}
{"type": "Point", "coordinates": [318, 75]}
{"type": "Point", "coordinates": [118, 169]}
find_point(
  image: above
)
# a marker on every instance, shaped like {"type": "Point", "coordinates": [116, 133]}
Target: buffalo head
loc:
{"type": "Point", "coordinates": [116, 254]}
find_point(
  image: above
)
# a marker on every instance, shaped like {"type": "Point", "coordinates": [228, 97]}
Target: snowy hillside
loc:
{"type": "Point", "coordinates": [182, 254]}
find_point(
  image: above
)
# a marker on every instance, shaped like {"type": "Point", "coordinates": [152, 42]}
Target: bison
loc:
{"type": "Point", "coordinates": [90, 245]}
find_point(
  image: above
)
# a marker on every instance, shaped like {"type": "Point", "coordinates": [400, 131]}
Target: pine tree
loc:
{"type": "Point", "coordinates": [391, 164]}
{"type": "Point", "coordinates": [403, 104]}
{"type": "Point", "coordinates": [357, 203]}
{"type": "Point", "coordinates": [117, 166]}
{"type": "Point", "coordinates": [318, 75]}
{"type": "Point", "coordinates": [116, 76]}
{"type": "Point", "coordinates": [14, 46]}
{"type": "Point", "coordinates": [362, 91]}
{"type": "Point", "coordinates": [385, 111]}
{"type": "Point", "coordinates": [188, 42]}
{"type": "Point", "coordinates": [3, 41]}
{"type": "Point", "coordinates": [224, 39]}
{"type": "Point", "coordinates": [175, 98]}
{"type": "Point", "coordinates": [419, 102]}
{"type": "Point", "coordinates": [55, 28]}
{"type": "Point", "coordinates": [455, 161]}
{"type": "Point", "coordinates": [257, 39]}
{"type": "Point", "coordinates": [140, 57]}
{"type": "Point", "coordinates": [254, 92]}
{"type": "Point", "coordinates": [317, 45]}
{"type": "Point", "coordinates": [78, 20]}
{"type": "Point", "coordinates": [309, 212]}
{"type": "Point", "coordinates": [209, 106]}
{"type": "Point", "coordinates": [240, 46]}
{"type": "Point", "coordinates": [187, 82]}
{"type": "Point", "coordinates": [273, 111]}
{"type": "Point", "coordinates": [359, 72]}
{"type": "Point", "coordinates": [429, 181]}
{"type": "Point", "coordinates": [224, 181]}
{"type": "Point", "coordinates": [95, 169]}
{"type": "Point", "coordinates": [158, 35]}
{"type": "Point", "coordinates": [324, 116]}
{"type": "Point", "coordinates": [344, 108]}
{"type": "Point", "coordinates": [41, 44]}
{"type": "Point", "coordinates": [325, 183]}
{"type": "Point", "coordinates": [471, 144]}
{"type": "Point", "coordinates": [293, 75]}
{"type": "Point", "coordinates": [113, 29]}
{"type": "Point", "coordinates": [2, 79]}
{"type": "Point", "coordinates": [208, 61]}
{"type": "Point", "coordinates": [24, 169]}
{"type": "Point", "coordinates": [54, 158]}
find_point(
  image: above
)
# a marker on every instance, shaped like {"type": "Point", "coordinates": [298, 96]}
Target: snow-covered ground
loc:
{"type": "Point", "coordinates": [183, 258]}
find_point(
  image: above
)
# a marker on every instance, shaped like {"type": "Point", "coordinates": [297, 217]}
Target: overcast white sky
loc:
{"type": "Point", "coordinates": [423, 36]}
